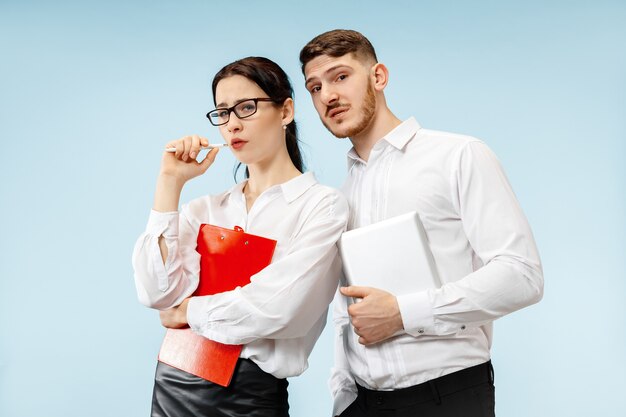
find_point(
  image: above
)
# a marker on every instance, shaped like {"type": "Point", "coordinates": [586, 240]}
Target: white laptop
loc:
{"type": "Point", "coordinates": [392, 255]}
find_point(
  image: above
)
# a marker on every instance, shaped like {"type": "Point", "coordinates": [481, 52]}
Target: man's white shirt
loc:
{"type": "Point", "coordinates": [482, 244]}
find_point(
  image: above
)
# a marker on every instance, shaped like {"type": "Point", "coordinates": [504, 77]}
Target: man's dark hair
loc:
{"type": "Point", "coordinates": [336, 43]}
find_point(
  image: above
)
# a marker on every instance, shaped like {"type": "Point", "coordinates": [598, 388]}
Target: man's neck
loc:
{"type": "Point", "coordinates": [383, 122]}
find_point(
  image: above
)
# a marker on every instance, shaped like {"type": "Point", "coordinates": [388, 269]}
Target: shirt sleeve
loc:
{"type": "Point", "coordinates": [165, 285]}
{"type": "Point", "coordinates": [511, 275]}
{"type": "Point", "coordinates": [341, 383]}
{"type": "Point", "coordinates": [286, 298]}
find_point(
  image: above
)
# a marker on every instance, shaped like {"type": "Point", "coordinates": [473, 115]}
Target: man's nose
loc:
{"type": "Point", "coordinates": [329, 96]}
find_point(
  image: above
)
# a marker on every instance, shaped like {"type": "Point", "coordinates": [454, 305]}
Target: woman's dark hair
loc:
{"type": "Point", "coordinates": [275, 83]}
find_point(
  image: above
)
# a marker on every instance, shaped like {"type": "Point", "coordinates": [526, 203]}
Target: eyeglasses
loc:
{"type": "Point", "coordinates": [243, 109]}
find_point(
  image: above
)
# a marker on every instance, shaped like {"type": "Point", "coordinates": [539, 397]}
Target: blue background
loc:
{"type": "Point", "coordinates": [91, 91]}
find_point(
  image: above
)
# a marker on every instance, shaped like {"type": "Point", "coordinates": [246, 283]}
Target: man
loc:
{"type": "Point", "coordinates": [424, 353]}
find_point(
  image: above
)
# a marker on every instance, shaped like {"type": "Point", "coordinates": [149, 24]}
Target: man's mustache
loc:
{"type": "Point", "coordinates": [334, 106]}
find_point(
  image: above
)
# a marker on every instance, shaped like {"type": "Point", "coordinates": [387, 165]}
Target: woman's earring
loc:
{"type": "Point", "coordinates": [285, 127]}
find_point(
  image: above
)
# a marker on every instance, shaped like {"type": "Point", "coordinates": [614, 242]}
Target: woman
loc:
{"type": "Point", "coordinates": [281, 313]}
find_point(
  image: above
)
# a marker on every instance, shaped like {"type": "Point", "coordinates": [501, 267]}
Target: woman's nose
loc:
{"type": "Point", "coordinates": [234, 123]}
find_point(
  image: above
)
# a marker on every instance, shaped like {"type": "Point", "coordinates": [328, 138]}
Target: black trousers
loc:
{"type": "Point", "coordinates": [466, 393]}
{"type": "Point", "coordinates": [251, 393]}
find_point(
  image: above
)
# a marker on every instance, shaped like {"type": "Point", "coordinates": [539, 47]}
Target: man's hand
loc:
{"type": "Point", "coordinates": [175, 318]}
{"type": "Point", "coordinates": [376, 317]}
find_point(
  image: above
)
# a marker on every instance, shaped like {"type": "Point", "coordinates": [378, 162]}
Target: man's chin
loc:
{"type": "Point", "coordinates": [338, 131]}
{"type": "Point", "coordinates": [340, 135]}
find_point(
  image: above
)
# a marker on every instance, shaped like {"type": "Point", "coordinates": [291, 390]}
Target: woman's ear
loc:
{"type": "Point", "coordinates": [287, 111]}
{"type": "Point", "coordinates": [380, 75]}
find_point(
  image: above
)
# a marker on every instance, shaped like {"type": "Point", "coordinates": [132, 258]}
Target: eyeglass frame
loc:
{"type": "Point", "coordinates": [232, 109]}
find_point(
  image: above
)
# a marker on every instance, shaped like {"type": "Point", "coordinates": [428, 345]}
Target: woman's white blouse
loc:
{"type": "Point", "coordinates": [281, 313]}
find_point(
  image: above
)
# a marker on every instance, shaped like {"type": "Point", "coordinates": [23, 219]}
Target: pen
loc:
{"type": "Point", "coordinates": [211, 146]}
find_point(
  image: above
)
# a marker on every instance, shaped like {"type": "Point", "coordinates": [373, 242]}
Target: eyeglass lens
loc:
{"type": "Point", "coordinates": [242, 110]}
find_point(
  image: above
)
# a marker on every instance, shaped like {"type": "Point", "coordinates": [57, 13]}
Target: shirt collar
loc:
{"type": "Point", "coordinates": [398, 137]}
{"type": "Point", "coordinates": [403, 133]}
{"type": "Point", "coordinates": [291, 189]}
{"type": "Point", "coordinates": [297, 186]}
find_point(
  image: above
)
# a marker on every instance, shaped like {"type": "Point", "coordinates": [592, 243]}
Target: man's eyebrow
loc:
{"type": "Point", "coordinates": [331, 69]}
{"type": "Point", "coordinates": [309, 80]}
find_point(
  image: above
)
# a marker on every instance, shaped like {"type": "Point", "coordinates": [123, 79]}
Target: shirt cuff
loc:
{"type": "Point", "coordinates": [417, 314]}
{"type": "Point", "coordinates": [195, 317]}
{"type": "Point", "coordinates": [342, 400]}
{"type": "Point", "coordinates": [160, 223]}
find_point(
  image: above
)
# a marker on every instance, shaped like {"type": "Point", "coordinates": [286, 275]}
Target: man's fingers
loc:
{"type": "Point", "coordinates": [365, 341]}
{"type": "Point", "coordinates": [356, 291]}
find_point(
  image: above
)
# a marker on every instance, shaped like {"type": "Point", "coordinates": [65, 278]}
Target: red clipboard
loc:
{"type": "Point", "coordinates": [228, 258]}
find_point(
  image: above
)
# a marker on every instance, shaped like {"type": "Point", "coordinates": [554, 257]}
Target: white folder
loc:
{"type": "Point", "coordinates": [392, 255]}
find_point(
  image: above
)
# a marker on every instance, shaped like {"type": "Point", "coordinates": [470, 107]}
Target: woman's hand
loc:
{"type": "Point", "coordinates": [179, 167]}
{"type": "Point", "coordinates": [175, 318]}
{"type": "Point", "coordinates": [182, 164]}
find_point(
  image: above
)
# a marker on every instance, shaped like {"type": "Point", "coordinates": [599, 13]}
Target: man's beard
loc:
{"type": "Point", "coordinates": [367, 114]}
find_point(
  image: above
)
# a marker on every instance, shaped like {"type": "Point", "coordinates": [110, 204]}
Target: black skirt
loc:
{"type": "Point", "coordinates": [251, 393]}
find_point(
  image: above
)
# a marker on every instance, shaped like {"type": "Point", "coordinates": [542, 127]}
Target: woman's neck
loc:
{"type": "Point", "coordinates": [278, 170]}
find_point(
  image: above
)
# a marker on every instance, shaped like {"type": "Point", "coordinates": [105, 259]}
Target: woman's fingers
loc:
{"type": "Point", "coordinates": [188, 147]}
{"type": "Point", "coordinates": [187, 143]}
{"type": "Point", "coordinates": [177, 145]}
{"type": "Point", "coordinates": [195, 147]}
{"type": "Point", "coordinates": [208, 159]}
{"type": "Point", "coordinates": [183, 163]}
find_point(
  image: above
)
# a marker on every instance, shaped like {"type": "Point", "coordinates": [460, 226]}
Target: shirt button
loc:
{"type": "Point", "coordinates": [463, 327]}
{"type": "Point", "coordinates": [379, 400]}
{"type": "Point", "coordinates": [420, 331]}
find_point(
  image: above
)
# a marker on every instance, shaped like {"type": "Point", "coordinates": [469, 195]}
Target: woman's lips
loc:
{"type": "Point", "coordinates": [237, 143]}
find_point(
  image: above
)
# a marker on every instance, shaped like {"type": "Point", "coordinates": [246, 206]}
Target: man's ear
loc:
{"type": "Point", "coordinates": [380, 76]}
{"type": "Point", "coordinates": [288, 111]}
